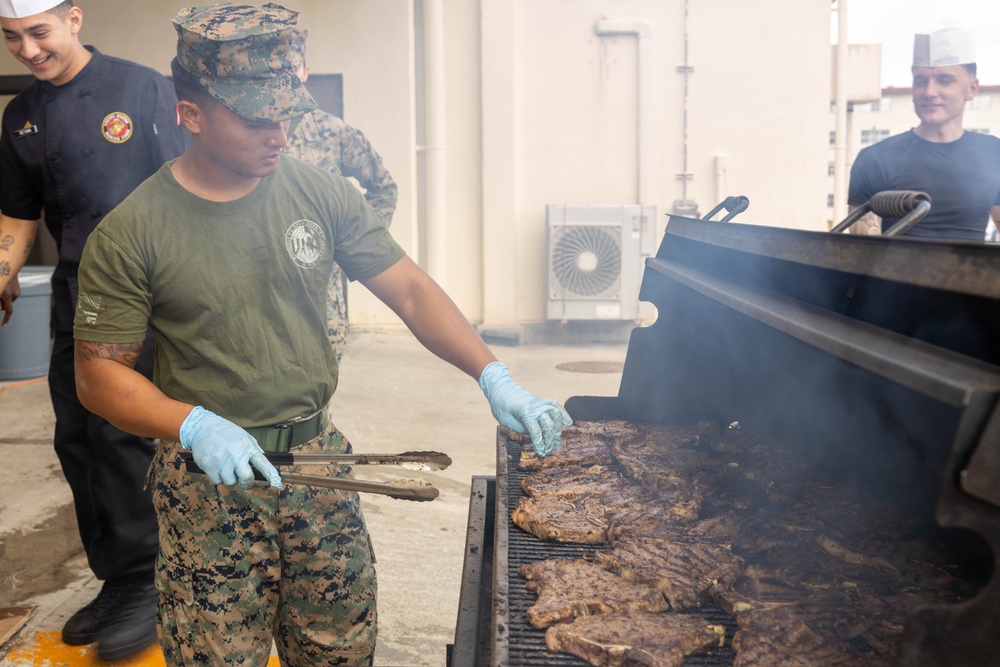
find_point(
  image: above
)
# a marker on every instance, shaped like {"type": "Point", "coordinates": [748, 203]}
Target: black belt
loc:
{"type": "Point", "coordinates": [282, 437]}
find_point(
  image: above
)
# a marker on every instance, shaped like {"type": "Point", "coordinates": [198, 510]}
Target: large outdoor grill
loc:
{"type": "Point", "coordinates": [881, 356]}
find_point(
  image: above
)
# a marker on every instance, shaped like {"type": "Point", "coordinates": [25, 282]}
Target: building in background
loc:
{"type": "Point", "coordinates": [893, 114]}
{"type": "Point", "coordinates": [488, 112]}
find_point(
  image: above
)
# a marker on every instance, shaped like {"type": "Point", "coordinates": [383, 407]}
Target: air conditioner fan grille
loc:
{"type": "Point", "coordinates": [587, 260]}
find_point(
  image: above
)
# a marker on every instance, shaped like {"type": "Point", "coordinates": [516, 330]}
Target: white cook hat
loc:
{"type": "Point", "coordinates": [18, 9]}
{"type": "Point", "coordinates": [951, 46]}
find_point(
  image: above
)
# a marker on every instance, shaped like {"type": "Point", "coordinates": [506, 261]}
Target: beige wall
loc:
{"type": "Point", "coordinates": [540, 110]}
{"type": "Point", "coordinates": [566, 131]}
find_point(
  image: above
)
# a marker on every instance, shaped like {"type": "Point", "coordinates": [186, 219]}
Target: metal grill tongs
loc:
{"type": "Point", "coordinates": [403, 489]}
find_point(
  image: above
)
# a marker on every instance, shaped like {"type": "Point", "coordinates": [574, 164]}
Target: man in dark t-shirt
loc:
{"type": "Point", "coordinates": [959, 170]}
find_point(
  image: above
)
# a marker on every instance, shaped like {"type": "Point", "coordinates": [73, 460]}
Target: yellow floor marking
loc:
{"type": "Point", "coordinates": [46, 649]}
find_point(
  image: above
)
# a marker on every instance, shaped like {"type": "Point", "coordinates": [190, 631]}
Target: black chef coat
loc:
{"type": "Point", "coordinates": [77, 150]}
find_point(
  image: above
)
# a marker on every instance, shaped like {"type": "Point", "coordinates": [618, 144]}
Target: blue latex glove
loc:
{"type": "Point", "coordinates": [225, 451]}
{"type": "Point", "coordinates": [520, 411]}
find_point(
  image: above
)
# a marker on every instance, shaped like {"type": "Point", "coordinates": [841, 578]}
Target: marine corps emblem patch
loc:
{"type": "Point", "coordinates": [117, 127]}
{"type": "Point", "coordinates": [305, 243]}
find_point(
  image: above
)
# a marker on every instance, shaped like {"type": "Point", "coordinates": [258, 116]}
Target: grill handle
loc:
{"type": "Point", "coordinates": [733, 205]}
{"type": "Point", "coordinates": [910, 206]}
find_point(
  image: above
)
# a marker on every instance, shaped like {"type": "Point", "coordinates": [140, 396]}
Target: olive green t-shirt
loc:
{"type": "Point", "coordinates": [234, 292]}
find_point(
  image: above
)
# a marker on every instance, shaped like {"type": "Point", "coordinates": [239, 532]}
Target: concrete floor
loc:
{"type": "Point", "coordinates": [393, 396]}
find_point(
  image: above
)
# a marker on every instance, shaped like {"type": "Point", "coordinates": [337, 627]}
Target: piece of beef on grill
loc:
{"type": "Point", "coordinates": [580, 520]}
{"type": "Point", "coordinates": [648, 518]}
{"type": "Point", "coordinates": [589, 443]}
{"type": "Point", "coordinates": [720, 482]}
{"type": "Point", "coordinates": [725, 489]}
{"type": "Point", "coordinates": [568, 587]}
{"type": "Point", "coordinates": [579, 447]}
{"type": "Point", "coordinates": [761, 650]}
{"type": "Point", "coordinates": [626, 508]}
{"type": "Point", "coordinates": [744, 445]}
{"type": "Point", "coordinates": [620, 431]}
{"type": "Point", "coordinates": [635, 640]}
{"type": "Point", "coordinates": [835, 609]}
{"type": "Point", "coordinates": [823, 510]}
{"type": "Point", "coordinates": [654, 520]}
{"type": "Point", "coordinates": [685, 572]}
{"type": "Point", "coordinates": [848, 601]}
{"type": "Point", "coordinates": [805, 635]}
{"type": "Point", "coordinates": [642, 460]}
{"type": "Point", "coordinates": [575, 481]}
{"type": "Point", "coordinates": [838, 512]}
{"type": "Point", "coordinates": [886, 567]}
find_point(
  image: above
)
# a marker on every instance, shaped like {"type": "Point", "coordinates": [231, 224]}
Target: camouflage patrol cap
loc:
{"type": "Point", "coordinates": [297, 51]}
{"type": "Point", "coordinates": [239, 54]}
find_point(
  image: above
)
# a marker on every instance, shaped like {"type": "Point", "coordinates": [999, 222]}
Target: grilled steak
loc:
{"type": "Point", "coordinates": [575, 481]}
{"type": "Point", "coordinates": [655, 520]}
{"type": "Point", "coordinates": [803, 636]}
{"type": "Point", "coordinates": [589, 443]}
{"type": "Point", "coordinates": [685, 572]}
{"type": "Point", "coordinates": [744, 445]}
{"type": "Point", "coordinates": [634, 640]}
{"type": "Point", "coordinates": [620, 432]}
{"type": "Point", "coordinates": [823, 602]}
{"type": "Point", "coordinates": [580, 447]}
{"type": "Point", "coordinates": [568, 588]}
{"type": "Point", "coordinates": [646, 460]}
{"type": "Point", "coordinates": [761, 650]}
{"type": "Point", "coordinates": [625, 508]}
{"type": "Point", "coordinates": [581, 520]}
{"type": "Point", "coordinates": [814, 574]}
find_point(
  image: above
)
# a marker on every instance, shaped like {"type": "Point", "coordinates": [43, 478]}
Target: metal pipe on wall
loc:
{"type": "Point", "coordinates": [840, 104]}
{"type": "Point", "coordinates": [435, 194]}
{"type": "Point", "coordinates": [720, 177]}
{"type": "Point", "coordinates": [641, 31]}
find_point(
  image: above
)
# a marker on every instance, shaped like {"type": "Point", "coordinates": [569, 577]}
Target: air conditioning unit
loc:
{"type": "Point", "coordinates": [596, 257]}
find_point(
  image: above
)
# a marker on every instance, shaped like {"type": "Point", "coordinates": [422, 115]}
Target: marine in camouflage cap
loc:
{"type": "Point", "coordinates": [240, 55]}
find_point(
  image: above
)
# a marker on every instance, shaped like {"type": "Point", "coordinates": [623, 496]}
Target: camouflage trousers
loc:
{"type": "Point", "coordinates": [336, 311]}
{"type": "Point", "coordinates": [238, 568]}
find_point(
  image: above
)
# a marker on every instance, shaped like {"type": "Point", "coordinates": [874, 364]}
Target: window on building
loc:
{"type": "Point", "coordinates": [833, 137]}
{"type": "Point", "coordinates": [980, 102]}
{"type": "Point", "coordinates": [883, 105]}
{"type": "Point", "coordinates": [830, 170]}
{"type": "Point", "coordinates": [829, 201]}
{"type": "Point", "coordinates": [873, 136]}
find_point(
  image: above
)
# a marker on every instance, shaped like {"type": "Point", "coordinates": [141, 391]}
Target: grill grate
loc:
{"type": "Point", "coordinates": [526, 643]}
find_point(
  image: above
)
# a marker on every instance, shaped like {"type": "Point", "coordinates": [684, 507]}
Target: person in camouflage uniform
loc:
{"type": "Point", "coordinates": [326, 141]}
{"type": "Point", "coordinates": [225, 254]}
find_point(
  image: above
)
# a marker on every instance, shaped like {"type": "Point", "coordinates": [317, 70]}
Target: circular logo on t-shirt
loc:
{"type": "Point", "coordinates": [305, 243]}
{"type": "Point", "coordinates": [117, 127]}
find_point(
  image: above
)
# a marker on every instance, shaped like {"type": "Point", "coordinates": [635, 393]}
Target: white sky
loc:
{"type": "Point", "coordinates": [892, 23]}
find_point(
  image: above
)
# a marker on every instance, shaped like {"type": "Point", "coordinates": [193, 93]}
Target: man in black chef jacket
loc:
{"type": "Point", "coordinates": [74, 144]}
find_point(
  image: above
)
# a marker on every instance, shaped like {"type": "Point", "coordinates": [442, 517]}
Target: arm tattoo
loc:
{"type": "Point", "coordinates": [125, 354]}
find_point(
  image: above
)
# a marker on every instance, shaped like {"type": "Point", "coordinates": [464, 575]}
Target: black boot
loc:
{"type": "Point", "coordinates": [131, 626]}
{"type": "Point", "coordinates": [82, 627]}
